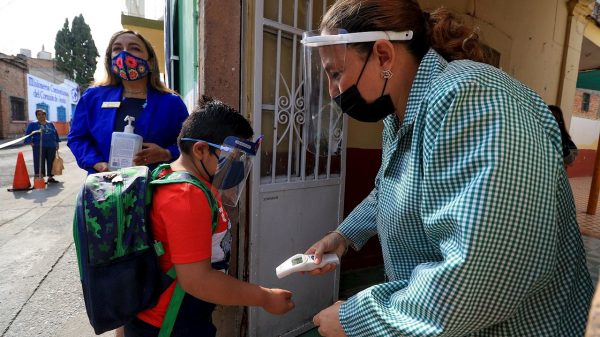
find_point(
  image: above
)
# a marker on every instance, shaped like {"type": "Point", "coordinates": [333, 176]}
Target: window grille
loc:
{"type": "Point", "coordinates": [17, 109]}
{"type": "Point", "coordinates": [585, 102]}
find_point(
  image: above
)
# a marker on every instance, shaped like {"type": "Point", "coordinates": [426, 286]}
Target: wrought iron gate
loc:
{"type": "Point", "coordinates": [296, 196]}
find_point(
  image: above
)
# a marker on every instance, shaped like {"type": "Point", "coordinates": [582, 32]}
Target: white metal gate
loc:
{"type": "Point", "coordinates": [296, 197]}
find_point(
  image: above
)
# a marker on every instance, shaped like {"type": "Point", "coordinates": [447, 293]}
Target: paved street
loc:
{"type": "Point", "coordinates": [40, 293]}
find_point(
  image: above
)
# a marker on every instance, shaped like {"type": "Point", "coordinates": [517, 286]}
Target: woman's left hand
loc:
{"type": "Point", "coordinates": [328, 321]}
{"type": "Point", "coordinates": [150, 154]}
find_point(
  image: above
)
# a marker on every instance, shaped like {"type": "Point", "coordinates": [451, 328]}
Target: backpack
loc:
{"type": "Point", "coordinates": [117, 256]}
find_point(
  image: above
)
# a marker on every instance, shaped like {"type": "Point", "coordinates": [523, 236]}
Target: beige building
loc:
{"type": "Point", "coordinates": [13, 96]}
{"type": "Point", "coordinates": [152, 30]}
{"type": "Point", "coordinates": [539, 42]}
{"type": "Point", "coordinates": [248, 54]}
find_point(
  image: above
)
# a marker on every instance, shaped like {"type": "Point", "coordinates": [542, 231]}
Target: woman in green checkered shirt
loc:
{"type": "Point", "coordinates": [471, 204]}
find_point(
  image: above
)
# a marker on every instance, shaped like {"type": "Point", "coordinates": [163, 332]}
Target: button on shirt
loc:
{"type": "Point", "coordinates": [474, 213]}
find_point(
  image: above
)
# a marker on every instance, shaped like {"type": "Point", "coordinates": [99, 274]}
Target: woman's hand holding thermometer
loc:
{"type": "Point", "coordinates": [334, 243]}
{"type": "Point", "coordinates": [302, 262]}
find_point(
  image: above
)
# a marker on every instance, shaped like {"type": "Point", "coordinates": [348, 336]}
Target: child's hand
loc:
{"type": "Point", "coordinates": [279, 301]}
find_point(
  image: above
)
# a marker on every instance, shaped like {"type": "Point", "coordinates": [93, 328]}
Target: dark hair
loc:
{"type": "Point", "coordinates": [213, 121]}
{"type": "Point", "coordinates": [569, 148]}
{"type": "Point", "coordinates": [560, 120]}
{"type": "Point", "coordinates": [113, 79]}
{"type": "Point", "coordinates": [557, 113]}
{"type": "Point", "coordinates": [442, 30]}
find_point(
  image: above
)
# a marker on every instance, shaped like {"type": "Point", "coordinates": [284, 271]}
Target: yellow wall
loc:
{"type": "Point", "coordinates": [150, 29]}
{"type": "Point", "coordinates": [529, 36]}
{"type": "Point", "coordinates": [592, 32]}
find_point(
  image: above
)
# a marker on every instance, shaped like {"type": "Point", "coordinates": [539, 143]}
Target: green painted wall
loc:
{"type": "Point", "coordinates": [589, 80]}
{"type": "Point", "coordinates": [188, 47]}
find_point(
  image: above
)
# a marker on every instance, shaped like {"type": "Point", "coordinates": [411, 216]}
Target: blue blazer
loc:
{"type": "Point", "coordinates": [92, 124]}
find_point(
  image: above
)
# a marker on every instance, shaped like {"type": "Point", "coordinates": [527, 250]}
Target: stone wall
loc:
{"type": "Point", "coordinates": [593, 111]}
{"type": "Point", "coordinates": [13, 83]}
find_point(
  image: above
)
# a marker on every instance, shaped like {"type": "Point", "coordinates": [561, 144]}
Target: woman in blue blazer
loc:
{"type": "Point", "coordinates": [44, 145]}
{"type": "Point", "coordinates": [132, 87]}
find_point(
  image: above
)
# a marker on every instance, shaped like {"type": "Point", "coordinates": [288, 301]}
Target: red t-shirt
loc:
{"type": "Point", "coordinates": [181, 219]}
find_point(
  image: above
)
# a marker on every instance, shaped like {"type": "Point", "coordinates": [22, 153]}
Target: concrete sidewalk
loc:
{"type": "Point", "coordinates": [589, 225]}
{"type": "Point", "coordinates": [40, 291]}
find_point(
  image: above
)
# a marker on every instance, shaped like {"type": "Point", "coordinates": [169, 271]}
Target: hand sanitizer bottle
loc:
{"type": "Point", "coordinates": [123, 146]}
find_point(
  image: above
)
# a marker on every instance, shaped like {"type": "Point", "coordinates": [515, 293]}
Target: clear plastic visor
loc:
{"type": "Point", "coordinates": [235, 162]}
{"type": "Point", "coordinates": [324, 119]}
{"type": "Point", "coordinates": [324, 65]}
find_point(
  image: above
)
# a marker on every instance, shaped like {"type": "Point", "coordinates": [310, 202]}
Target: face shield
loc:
{"type": "Point", "coordinates": [235, 162]}
{"type": "Point", "coordinates": [324, 65]}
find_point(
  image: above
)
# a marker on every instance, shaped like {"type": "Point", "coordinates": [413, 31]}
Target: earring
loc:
{"type": "Point", "coordinates": [387, 74]}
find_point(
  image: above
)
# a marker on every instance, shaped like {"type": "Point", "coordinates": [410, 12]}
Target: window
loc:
{"type": "Point", "coordinates": [585, 102]}
{"type": "Point", "coordinates": [61, 114]}
{"type": "Point", "coordinates": [17, 109]}
{"type": "Point", "coordinates": [492, 56]}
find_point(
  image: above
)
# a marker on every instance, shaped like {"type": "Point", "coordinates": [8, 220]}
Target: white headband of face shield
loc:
{"type": "Point", "coordinates": [326, 40]}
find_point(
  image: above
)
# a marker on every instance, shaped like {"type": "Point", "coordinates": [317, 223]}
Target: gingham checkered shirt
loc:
{"type": "Point", "coordinates": [474, 213]}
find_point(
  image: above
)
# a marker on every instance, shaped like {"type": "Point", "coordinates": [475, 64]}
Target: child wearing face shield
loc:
{"type": "Point", "coordinates": [215, 147]}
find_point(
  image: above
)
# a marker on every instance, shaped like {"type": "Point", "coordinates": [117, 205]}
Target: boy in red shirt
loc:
{"type": "Point", "coordinates": [182, 220]}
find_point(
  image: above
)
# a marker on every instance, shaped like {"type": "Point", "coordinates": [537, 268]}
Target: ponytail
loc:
{"type": "Point", "coordinates": [441, 30]}
{"type": "Point", "coordinates": [451, 38]}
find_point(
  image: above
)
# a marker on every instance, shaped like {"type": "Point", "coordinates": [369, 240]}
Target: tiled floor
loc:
{"type": "Point", "coordinates": [588, 224]}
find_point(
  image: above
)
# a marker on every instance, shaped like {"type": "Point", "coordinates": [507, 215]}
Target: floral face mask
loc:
{"type": "Point", "coordinates": [130, 67]}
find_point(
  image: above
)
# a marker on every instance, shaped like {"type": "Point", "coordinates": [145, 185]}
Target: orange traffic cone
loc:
{"type": "Point", "coordinates": [21, 179]}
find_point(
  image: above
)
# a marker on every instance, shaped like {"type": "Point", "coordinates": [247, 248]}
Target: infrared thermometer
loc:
{"type": "Point", "coordinates": [302, 262]}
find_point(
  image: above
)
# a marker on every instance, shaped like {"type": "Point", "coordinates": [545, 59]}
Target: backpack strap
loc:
{"type": "Point", "coordinates": [163, 175]}
{"type": "Point", "coordinates": [175, 177]}
{"type": "Point", "coordinates": [173, 309]}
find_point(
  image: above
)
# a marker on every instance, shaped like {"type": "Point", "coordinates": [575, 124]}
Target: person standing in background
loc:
{"type": "Point", "coordinates": [44, 154]}
{"type": "Point", "coordinates": [132, 87]}
{"type": "Point", "coordinates": [569, 149]}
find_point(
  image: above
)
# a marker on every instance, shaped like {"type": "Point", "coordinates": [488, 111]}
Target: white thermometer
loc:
{"type": "Point", "coordinates": [302, 262]}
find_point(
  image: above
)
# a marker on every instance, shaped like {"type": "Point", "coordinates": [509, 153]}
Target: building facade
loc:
{"type": "Point", "coordinates": [254, 63]}
{"type": "Point", "coordinates": [17, 94]}
{"type": "Point", "coordinates": [13, 96]}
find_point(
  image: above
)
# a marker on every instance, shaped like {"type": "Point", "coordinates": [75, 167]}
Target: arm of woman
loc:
{"type": "Point", "coordinates": [56, 137]}
{"type": "Point", "coordinates": [80, 140]}
{"type": "Point", "coordinates": [161, 146]}
{"type": "Point", "coordinates": [28, 130]}
{"type": "Point", "coordinates": [489, 185]}
{"type": "Point", "coordinates": [355, 230]}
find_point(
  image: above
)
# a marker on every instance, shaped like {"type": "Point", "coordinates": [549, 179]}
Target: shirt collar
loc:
{"type": "Point", "coordinates": [430, 67]}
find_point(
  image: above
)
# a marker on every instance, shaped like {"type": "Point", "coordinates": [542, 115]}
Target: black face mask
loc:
{"type": "Point", "coordinates": [354, 105]}
{"type": "Point", "coordinates": [211, 177]}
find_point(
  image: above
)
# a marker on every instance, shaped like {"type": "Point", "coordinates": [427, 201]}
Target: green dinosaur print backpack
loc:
{"type": "Point", "coordinates": [116, 254]}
